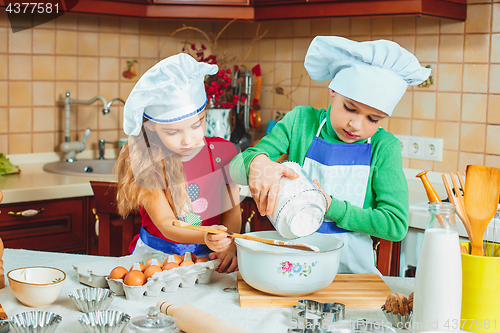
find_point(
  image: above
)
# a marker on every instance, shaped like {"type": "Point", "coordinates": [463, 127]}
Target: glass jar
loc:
{"type": "Point", "coordinates": [300, 206]}
{"type": "Point", "coordinates": [155, 322]}
{"type": "Point", "coordinates": [438, 281]}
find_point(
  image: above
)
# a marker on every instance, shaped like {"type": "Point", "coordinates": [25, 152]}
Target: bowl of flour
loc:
{"type": "Point", "coordinates": [300, 206]}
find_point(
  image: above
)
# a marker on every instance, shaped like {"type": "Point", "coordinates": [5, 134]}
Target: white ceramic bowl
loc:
{"type": "Point", "coordinates": [36, 286]}
{"type": "Point", "coordinates": [285, 271]}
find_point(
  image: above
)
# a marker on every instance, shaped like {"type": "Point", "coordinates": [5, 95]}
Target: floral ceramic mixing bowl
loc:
{"type": "Point", "coordinates": [285, 271]}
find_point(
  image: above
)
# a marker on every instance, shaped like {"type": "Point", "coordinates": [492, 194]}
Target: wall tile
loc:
{"type": "Point", "coordinates": [299, 48]}
{"type": "Point", "coordinates": [299, 74]}
{"type": "Point", "coordinates": [125, 89]}
{"type": "Point", "coordinates": [43, 93]}
{"type": "Point", "coordinates": [495, 48]}
{"type": "Point", "coordinates": [43, 67]}
{"type": "Point", "coordinates": [496, 18]}
{"type": "Point", "coordinates": [449, 77]}
{"type": "Point", "coordinates": [478, 18]}
{"type": "Point", "coordinates": [88, 23]}
{"type": "Point", "coordinates": [408, 42]}
{"type": "Point", "coordinates": [20, 93]}
{"type": "Point", "coordinates": [20, 42]}
{"type": "Point", "coordinates": [131, 26]}
{"type": "Point", "coordinates": [452, 27]}
{"type": "Point", "coordinates": [424, 105]}
{"type": "Point", "coordinates": [87, 117]}
{"type": "Point", "coordinates": [148, 46]}
{"type": "Point", "coordinates": [4, 44]}
{"type": "Point", "coordinates": [4, 70]}
{"type": "Point", "coordinates": [268, 26]}
{"type": "Point", "coordinates": [427, 25]}
{"type": "Point", "coordinates": [382, 25]}
{"type": "Point", "coordinates": [20, 67]}
{"type": "Point", "coordinates": [149, 27]}
{"type": "Point", "coordinates": [404, 25]}
{"type": "Point", "coordinates": [421, 164]}
{"type": "Point", "coordinates": [110, 120]}
{"type": "Point", "coordinates": [250, 50]}
{"type": "Point", "coordinates": [282, 73]}
{"type": "Point", "coordinates": [493, 109]}
{"type": "Point", "coordinates": [20, 143]}
{"type": "Point", "coordinates": [399, 126]}
{"type": "Point", "coordinates": [423, 128]}
{"type": "Point", "coordinates": [87, 90]}
{"type": "Point", "coordinates": [448, 106]}
{"type": "Point", "coordinates": [477, 48]}
{"type": "Point", "coordinates": [492, 139]}
{"type": "Point", "coordinates": [475, 78]}
{"type": "Point", "coordinates": [451, 48]}
{"type": "Point", "coordinates": [4, 143]}
{"type": "Point", "coordinates": [492, 161]}
{"type": "Point", "coordinates": [109, 69]}
{"type": "Point", "coordinates": [38, 23]}
{"type": "Point", "coordinates": [360, 26]}
{"type": "Point", "coordinates": [44, 41]}
{"type": "Point", "coordinates": [284, 29]}
{"type": "Point", "coordinates": [340, 27]}
{"type": "Point", "coordinates": [449, 132]}
{"type": "Point", "coordinates": [449, 163]}
{"type": "Point", "coordinates": [320, 27]}
{"type": "Point", "coordinates": [68, 21]}
{"type": "Point", "coordinates": [301, 28]}
{"type": "Point", "coordinates": [88, 43]}
{"type": "Point", "coordinates": [109, 44]}
{"type": "Point", "coordinates": [20, 120]}
{"type": "Point", "coordinates": [266, 49]}
{"type": "Point", "coordinates": [44, 119]}
{"type": "Point", "coordinates": [427, 48]}
{"type": "Point", "coordinates": [282, 102]}
{"type": "Point", "coordinates": [4, 121]}
{"type": "Point", "coordinates": [66, 68]}
{"type": "Point", "coordinates": [319, 98]}
{"type": "Point", "coordinates": [300, 96]}
{"type": "Point", "coordinates": [474, 108]}
{"type": "Point", "coordinates": [404, 107]}
{"type": "Point", "coordinates": [66, 42]}
{"type": "Point", "coordinates": [168, 46]}
{"type": "Point", "coordinates": [4, 19]}
{"type": "Point", "coordinates": [144, 65]}
{"type": "Point", "coordinates": [472, 137]}
{"type": "Point", "coordinates": [494, 79]}
{"type": "Point", "coordinates": [4, 93]}
{"type": "Point", "coordinates": [465, 159]}
{"type": "Point", "coordinates": [109, 24]}
{"type": "Point", "coordinates": [283, 49]}
{"type": "Point", "coordinates": [43, 142]}
{"type": "Point", "coordinates": [88, 68]}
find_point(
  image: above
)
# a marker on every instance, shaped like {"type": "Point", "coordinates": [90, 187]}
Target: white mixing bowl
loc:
{"type": "Point", "coordinates": [285, 271]}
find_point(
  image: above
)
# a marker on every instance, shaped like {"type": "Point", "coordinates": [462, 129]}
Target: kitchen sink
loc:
{"type": "Point", "coordinates": [82, 167]}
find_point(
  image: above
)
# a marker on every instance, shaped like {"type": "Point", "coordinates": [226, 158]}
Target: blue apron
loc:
{"type": "Point", "coordinates": [342, 170]}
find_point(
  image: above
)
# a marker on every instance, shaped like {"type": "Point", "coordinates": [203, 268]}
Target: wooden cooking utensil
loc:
{"type": "Point", "coordinates": [252, 238]}
{"type": "Point", "coordinates": [431, 193]}
{"type": "Point", "coordinates": [482, 190]}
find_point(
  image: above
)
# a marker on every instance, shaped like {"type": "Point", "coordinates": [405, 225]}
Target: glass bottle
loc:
{"type": "Point", "coordinates": [154, 322]}
{"type": "Point", "coordinates": [438, 281]}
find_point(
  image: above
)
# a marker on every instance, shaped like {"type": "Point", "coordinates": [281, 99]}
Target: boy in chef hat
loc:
{"type": "Point", "coordinates": [169, 170]}
{"type": "Point", "coordinates": [357, 164]}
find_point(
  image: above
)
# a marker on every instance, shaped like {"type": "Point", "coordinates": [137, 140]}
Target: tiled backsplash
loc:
{"type": "Point", "coordinates": [87, 55]}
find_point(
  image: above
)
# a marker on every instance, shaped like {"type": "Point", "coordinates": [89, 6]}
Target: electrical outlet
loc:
{"type": "Point", "coordinates": [421, 148]}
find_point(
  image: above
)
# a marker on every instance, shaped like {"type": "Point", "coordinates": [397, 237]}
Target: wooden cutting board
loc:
{"type": "Point", "coordinates": [352, 290]}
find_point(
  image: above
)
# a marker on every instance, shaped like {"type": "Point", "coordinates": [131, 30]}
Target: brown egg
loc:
{"type": "Point", "coordinates": [177, 259]}
{"type": "Point", "coordinates": [201, 259]}
{"type": "Point", "coordinates": [193, 256]}
{"type": "Point", "coordinates": [152, 262]}
{"type": "Point", "coordinates": [134, 278]}
{"type": "Point", "coordinates": [141, 265]}
{"type": "Point", "coordinates": [187, 263]}
{"type": "Point", "coordinates": [149, 272]}
{"type": "Point", "coordinates": [170, 265]}
{"type": "Point", "coordinates": [118, 272]}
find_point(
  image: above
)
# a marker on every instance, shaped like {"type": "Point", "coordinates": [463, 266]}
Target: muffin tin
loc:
{"type": "Point", "coordinates": [95, 274]}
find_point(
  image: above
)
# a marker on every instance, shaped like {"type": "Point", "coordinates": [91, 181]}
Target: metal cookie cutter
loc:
{"type": "Point", "coordinates": [314, 317]}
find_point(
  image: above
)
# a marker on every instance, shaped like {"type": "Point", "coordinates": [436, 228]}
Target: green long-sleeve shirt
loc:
{"type": "Point", "coordinates": [385, 210]}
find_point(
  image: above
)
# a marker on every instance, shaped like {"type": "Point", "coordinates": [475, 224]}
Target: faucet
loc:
{"type": "Point", "coordinates": [68, 147]}
{"type": "Point", "coordinates": [106, 109]}
{"type": "Point", "coordinates": [102, 146]}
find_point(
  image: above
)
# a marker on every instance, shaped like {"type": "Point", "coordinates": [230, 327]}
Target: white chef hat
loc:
{"type": "Point", "coordinates": [170, 91]}
{"type": "Point", "coordinates": [375, 73]}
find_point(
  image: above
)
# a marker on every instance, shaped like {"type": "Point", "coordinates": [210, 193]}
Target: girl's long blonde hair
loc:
{"type": "Point", "coordinates": [144, 166]}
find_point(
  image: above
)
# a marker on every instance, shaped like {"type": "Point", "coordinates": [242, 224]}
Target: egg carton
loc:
{"type": "Point", "coordinates": [95, 274]}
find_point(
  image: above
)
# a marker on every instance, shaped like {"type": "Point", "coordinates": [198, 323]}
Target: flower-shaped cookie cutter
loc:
{"type": "Point", "coordinates": [313, 316]}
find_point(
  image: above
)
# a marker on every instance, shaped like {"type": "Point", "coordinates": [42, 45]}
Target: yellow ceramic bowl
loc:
{"type": "Point", "coordinates": [480, 293]}
{"type": "Point", "coordinates": [36, 286]}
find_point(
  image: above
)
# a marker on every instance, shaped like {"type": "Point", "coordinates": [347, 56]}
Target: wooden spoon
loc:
{"type": "Point", "coordinates": [481, 193]}
{"type": "Point", "coordinates": [252, 238]}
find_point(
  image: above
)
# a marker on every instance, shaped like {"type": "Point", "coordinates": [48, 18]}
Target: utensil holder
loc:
{"type": "Point", "coordinates": [480, 293]}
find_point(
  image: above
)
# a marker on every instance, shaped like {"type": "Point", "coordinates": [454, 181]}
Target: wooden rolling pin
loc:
{"type": "Point", "coordinates": [193, 320]}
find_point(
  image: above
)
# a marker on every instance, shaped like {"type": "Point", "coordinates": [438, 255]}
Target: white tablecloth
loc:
{"type": "Point", "coordinates": [210, 298]}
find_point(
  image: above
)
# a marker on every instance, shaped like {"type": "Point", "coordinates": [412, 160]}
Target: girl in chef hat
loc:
{"type": "Point", "coordinates": [356, 163]}
{"type": "Point", "coordinates": [169, 170]}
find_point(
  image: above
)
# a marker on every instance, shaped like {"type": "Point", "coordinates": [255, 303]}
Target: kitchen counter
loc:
{"type": "Point", "coordinates": [210, 297]}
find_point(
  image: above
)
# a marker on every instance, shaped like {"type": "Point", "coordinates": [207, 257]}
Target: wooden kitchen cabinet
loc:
{"type": "Point", "coordinates": [52, 225]}
{"type": "Point", "coordinates": [263, 10]}
{"type": "Point", "coordinates": [251, 214]}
